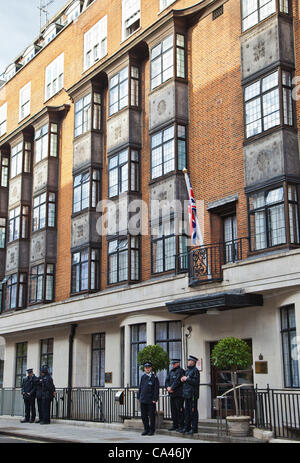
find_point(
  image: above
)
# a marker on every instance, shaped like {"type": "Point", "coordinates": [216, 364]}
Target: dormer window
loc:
{"type": "Point", "coordinates": [95, 43]}
{"type": "Point", "coordinates": [11, 70]}
{"type": "Point", "coordinates": [51, 32]}
{"type": "Point", "coordinates": [73, 11]}
{"type": "Point", "coordinates": [131, 17]}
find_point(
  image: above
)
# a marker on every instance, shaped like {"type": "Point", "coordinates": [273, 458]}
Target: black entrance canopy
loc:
{"type": "Point", "coordinates": [221, 301]}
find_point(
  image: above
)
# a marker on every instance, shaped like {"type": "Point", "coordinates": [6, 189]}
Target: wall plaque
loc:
{"type": "Point", "coordinates": [261, 368]}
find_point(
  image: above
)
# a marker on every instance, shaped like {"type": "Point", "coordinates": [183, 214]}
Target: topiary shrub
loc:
{"type": "Point", "coordinates": [232, 354]}
{"type": "Point", "coordinates": [156, 355]}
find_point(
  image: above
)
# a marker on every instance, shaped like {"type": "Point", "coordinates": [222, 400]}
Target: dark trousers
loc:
{"type": "Point", "coordinates": [46, 406]}
{"type": "Point", "coordinates": [148, 414]}
{"type": "Point", "coordinates": [40, 409]}
{"type": "Point", "coordinates": [29, 409]}
{"type": "Point", "coordinates": [191, 414]}
{"type": "Point", "coordinates": [177, 411]}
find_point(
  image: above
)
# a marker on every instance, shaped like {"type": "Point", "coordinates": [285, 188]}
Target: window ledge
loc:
{"type": "Point", "coordinates": [129, 36]}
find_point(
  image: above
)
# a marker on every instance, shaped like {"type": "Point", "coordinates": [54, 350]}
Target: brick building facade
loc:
{"type": "Point", "coordinates": [111, 101]}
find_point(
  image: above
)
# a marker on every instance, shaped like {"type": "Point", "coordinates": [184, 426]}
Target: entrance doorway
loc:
{"type": "Point", "coordinates": [221, 382]}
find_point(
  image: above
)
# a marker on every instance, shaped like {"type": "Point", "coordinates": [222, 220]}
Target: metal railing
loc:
{"type": "Point", "coordinates": [224, 405]}
{"type": "Point", "coordinates": [205, 263]}
{"type": "Point", "coordinates": [278, 410]}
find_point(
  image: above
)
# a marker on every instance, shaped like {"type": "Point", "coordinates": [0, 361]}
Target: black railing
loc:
{"type": "Point", "coordinates": [278, 410]}
{"type": "Point", "coordinates": [205, 263]}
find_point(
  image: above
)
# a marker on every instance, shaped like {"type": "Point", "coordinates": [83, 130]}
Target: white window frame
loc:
{"type": "Point", "coordinates": [3, 119]}
{"type": "Point", "coordinates": [95, 43]}
{"type": "Point", "coordinates": [24, 101]}
{"type": "Point", "coordinates": [164, 4]}
{"type": "Point", "coordinates": [131, 12]}
{"type": "Point", "coordinates": [54, 77]}
{"type": "Point", "coordinates": [73, 11]}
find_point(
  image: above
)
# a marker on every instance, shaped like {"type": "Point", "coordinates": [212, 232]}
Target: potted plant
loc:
{"type": "Point", "coordinates": [234, 354]}
{"type": "Point", "coordinates": [160, 361]}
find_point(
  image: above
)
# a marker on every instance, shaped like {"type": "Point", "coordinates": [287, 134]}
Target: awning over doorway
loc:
{"type": "Point", "coordinates": [221, 301]}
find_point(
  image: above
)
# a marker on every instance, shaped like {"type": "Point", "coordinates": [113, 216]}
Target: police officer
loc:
{"type": "Point", "coordinates": [45, 394]}
{"type": "Point", "coordinates": [29, 391]}
{"type": "Point", "coordinates": [148, 395]}
{"type": "Point", "coordinates": [191, 382]}
{"type": "Point", "coordinates": [174, 387]}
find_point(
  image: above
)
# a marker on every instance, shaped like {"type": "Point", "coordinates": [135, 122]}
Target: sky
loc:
{"type": "Point", "coordinates": [19, 25]}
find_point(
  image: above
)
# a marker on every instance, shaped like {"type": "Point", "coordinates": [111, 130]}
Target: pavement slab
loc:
{"type": "Point", "coordinates": [70, 433]}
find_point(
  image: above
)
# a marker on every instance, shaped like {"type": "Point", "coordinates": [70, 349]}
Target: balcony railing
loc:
{"type": "Point", "coordinates": [205, 264]}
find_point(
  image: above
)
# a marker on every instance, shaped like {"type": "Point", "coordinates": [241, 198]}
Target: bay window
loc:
{"type": "Point", "coordinates": [20, 159]}
{"type": "Point", "coordinates": [268, 103]}
{"type": "Point", "coordinates": [124, 259]}
{"type": "Point", "coordinates": [42, 142]}
{"type": "Point", "coordinates": [43, 211]}
{"type": "Point", "coordinates": [123, 172]}
{"type": "Point", "coordinates": [14, 290]}
{"type": "Point", "coordinates": [41, 283]}
{"type": "Point", "coordinates": [255, 11]}
{"type": "Point", "coordinates": [168, 150]}
{"type": "Point", "coordinates": [86, 190]}
{"type": "Point", "coordinates": [124, 89]}
{"type": "Point", "coordinates": [267, 217]}
{"type": "Point", "coordinates": [165, 245]}
{"type": "Point", "coordinates": [4, 171]}
{"type": "Point", "coordinates": [162, 60]}
{"type": "Point", "coordinates": [85, 270]}
{"type": "Point", "coordinates": [2, 232]}
{"type": "Point", "coordinates": [18, 223]}
{"type": "Point", "coordinates": [87, 106]}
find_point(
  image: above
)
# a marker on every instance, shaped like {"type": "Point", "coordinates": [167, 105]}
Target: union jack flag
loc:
{"type": "Point", "coordinates": [195, 232]}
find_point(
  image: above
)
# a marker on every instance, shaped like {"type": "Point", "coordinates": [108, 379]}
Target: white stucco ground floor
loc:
{"type": "Point", "coordinates": [104, 349]}
{"type": "Point", "coordinates": [110, 327]}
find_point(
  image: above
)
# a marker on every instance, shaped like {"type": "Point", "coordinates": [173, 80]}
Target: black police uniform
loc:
{"type": "Point", "coordinates": [191, 396]}
{"type": "Point", "coordinates": [29, 387]}
{"type": "Point", "coordinates": [147, 394]}
{"type": "Point", "coordinates": [173, 381]}
{"type": "Point", "coordinates": [44, 393]}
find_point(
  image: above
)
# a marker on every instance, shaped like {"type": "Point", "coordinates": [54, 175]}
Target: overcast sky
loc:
{"type": "Point", "coordinates": [19, 25]}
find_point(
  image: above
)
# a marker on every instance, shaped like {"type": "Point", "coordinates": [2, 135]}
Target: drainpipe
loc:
{"type": "Point", "coordinates": [70, 372]}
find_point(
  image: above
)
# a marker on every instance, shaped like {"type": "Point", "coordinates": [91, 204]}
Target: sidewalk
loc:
{"type": "Point", "coordinates": [82, 432]}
